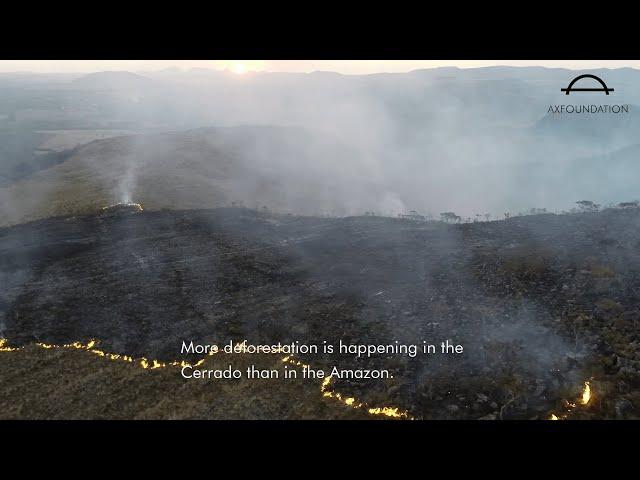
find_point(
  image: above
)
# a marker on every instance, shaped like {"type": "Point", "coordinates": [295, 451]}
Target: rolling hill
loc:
{"type": "Point", "coordinates": [280, 168]}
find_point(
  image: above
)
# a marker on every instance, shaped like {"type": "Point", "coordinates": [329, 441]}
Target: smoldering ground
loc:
{"type": "Point", "coordinates": [148, 280]}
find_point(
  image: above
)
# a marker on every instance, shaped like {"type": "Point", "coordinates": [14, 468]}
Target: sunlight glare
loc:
{"type": "Point", "coordinates": [239, 68]}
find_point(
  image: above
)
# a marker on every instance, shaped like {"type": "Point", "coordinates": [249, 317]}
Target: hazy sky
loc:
{"type": "Point", "coordinates": [241, 66]}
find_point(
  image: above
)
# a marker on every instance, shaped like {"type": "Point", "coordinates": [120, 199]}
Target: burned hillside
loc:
{"type": "Point", "coordinates": [541, 303]}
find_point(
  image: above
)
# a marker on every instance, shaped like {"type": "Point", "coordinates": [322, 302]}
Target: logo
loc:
{"type": "Point", "coordinates": [593, 84]}
{"type": "Point", "coordinates": [571, 87]}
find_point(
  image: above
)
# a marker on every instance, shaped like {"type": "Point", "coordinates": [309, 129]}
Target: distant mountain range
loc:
{"type": "Point", "coordinates": [112, 80]}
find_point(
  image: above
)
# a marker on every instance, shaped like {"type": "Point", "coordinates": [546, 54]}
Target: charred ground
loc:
{"type": "Point", "coordinates": [541, 303]}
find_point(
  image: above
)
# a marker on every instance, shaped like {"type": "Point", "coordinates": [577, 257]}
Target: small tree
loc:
{"type": "Point", "coordinates": [587, 206]}
{"type": "Point", "coordinates": [449, 217]}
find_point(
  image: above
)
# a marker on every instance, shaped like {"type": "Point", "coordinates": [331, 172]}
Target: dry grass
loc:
{"type": "Point", "coordinates": [71, 384]}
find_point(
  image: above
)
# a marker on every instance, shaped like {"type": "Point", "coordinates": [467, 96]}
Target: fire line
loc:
{"type": "Point", "coordinates": [152, 364]}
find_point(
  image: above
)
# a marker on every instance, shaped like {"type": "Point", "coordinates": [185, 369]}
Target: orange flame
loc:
{"type": "Point", "coordinates": [586, 394]}
{"type": "Point", "coordinates": [89, 347]}
{"type": "Point", "coordinates": [351, 402]}
{"type": "Point", "coordinates": [584, 400]}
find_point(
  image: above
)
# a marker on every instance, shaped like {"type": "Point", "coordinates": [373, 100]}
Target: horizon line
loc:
{"type": "Point", "coordinates": [229, 70]}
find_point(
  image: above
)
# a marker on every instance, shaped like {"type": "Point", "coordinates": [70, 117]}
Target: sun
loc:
{"type": "Point", "coordinates": [239, 68]}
